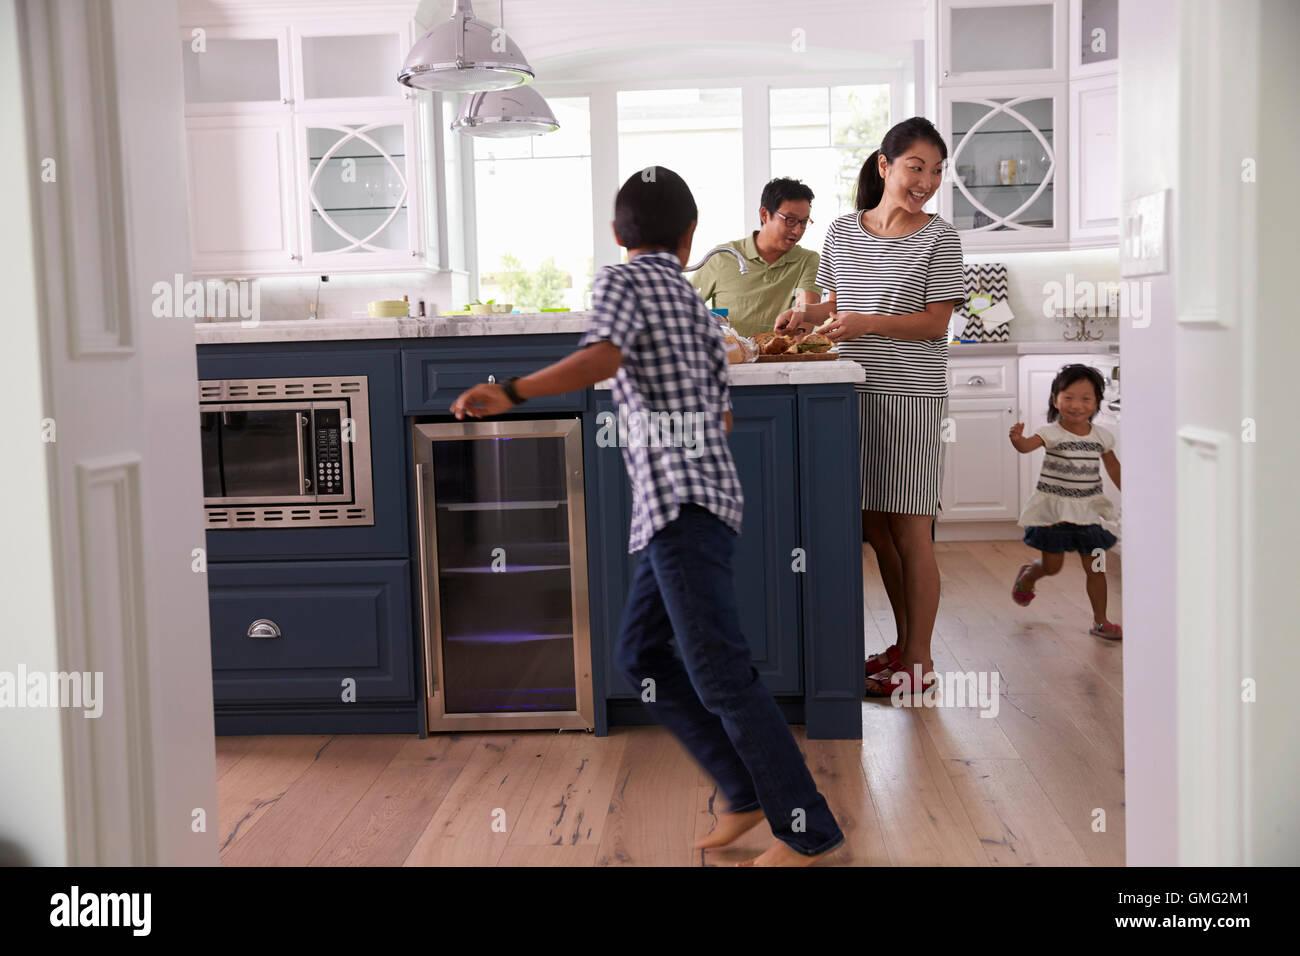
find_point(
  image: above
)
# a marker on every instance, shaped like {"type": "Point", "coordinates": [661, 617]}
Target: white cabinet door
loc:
{"type": "Point", "coordinates": [1094, 37]}
{"type": "Point", "coordinates": [241, 194]}
{"type": "Point", "coordinates": [1002, 41]}
{"type": "Point", "coordinates": [359, 191]}
{"type": "Point", "coordinates": [235, 69]}
{"type": "Point", "coordinates": [349, 64]}
{"type": "Point", "coordinates": [980, 479]}
{"type": "Point", "coordinates": [1006, 187]}
{"type": "Point", "coordinates": [1094, 161]}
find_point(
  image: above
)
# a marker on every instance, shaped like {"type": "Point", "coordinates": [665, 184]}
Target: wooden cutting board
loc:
{"type": "Point", "coordinates": [803, 357]}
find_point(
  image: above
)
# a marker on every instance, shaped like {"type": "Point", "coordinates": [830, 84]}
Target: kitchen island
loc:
{"type": "Point", "coordinates": [797, 567]}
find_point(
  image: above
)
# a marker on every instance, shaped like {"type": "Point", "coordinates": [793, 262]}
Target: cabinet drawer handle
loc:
{"type": "Point", "coordinates": [492, 379]}
{"type": "Point", "coordinates": [975, 380]}
{"type": "Point", "coordinates": [263, 628]}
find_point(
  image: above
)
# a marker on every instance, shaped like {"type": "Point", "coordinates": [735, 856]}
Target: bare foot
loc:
{"type": "Point", "coordinates": [730, 826]}
{"type": "Point", "coordinates": [778, 854]}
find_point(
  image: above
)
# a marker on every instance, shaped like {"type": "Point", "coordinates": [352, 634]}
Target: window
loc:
{"type": "Point", "coordinates": [697, 134]}
{"type": "Point", "coordinates": [532, 198]}
{"type": "Point", "coordinates": [823, 135]}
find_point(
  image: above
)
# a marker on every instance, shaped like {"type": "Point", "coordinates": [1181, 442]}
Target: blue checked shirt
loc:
{"type": "Point", "coordinates": [674, 369]}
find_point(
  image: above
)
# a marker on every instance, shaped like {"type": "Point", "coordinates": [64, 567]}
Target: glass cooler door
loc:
{"type": "Point", "coordinates": [504, 574]}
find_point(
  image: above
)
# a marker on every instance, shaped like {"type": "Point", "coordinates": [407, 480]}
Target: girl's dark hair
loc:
{"type": "Point", "coordinates": [896, 142]}
{"type": "Point", "coordinates": [1067, 377]}
{"type": "Point", "coordinates": [654, 209]}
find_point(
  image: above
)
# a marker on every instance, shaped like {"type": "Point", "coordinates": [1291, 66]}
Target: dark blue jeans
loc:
{"type": "Point", "coordinates": [712, 698]}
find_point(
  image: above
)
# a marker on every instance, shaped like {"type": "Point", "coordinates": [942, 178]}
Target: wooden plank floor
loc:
{"type": "Point", "coordinates": [1040, 783]}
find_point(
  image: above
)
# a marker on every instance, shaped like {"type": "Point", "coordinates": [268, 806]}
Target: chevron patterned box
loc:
{"type": "Point", "coordinates": [989, 279]}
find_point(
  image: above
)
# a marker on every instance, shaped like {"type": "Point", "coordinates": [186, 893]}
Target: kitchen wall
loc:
{"type": "Point", "coordinates": [1029, 275]}
{"type": "Point", "coordinates": [283, 298]}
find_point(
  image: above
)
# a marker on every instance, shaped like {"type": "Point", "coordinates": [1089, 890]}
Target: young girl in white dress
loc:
{"type": "Point", "coordinates": [1066, 509]}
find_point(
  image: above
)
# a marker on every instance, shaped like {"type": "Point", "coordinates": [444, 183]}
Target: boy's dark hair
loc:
{"type": "Point", "coordinates": [654, 209]}
{"type": "Point", "coordinates": [871, 187]}
{"type": "Point", "coordinates": [1067, 377]}
{"type": "Point", "coordinates": [784, 190]}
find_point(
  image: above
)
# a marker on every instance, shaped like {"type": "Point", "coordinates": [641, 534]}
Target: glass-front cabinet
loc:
{"type": "Point", "coordinates": [504, 605]}
{"type": "Point", "coordinates": [1005, 183]}
{"type": "Point", "coordinates": [360, 202]}
{"type": "Point", "coordinates": [1094, 37]}
{"type": "Point", "coordinates": [1002, 41]}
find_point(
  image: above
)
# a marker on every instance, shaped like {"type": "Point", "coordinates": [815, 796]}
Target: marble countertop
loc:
{"type": "Point", "coordinates": [1109, 346]}
{"type": "Point", "coordinates": [786, 373]}
{"type": "Point", "coordinates": [437, 326]}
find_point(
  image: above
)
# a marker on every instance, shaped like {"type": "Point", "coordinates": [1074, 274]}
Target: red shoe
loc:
{"type": "Point", "coordinates": [884, 684]}
{"type": "Point", "coordinates": [887, 658]}
{"type": "Point", "coordinates": [1019, 594]}
{"type": "Point", "coordinates": [1112, 632]}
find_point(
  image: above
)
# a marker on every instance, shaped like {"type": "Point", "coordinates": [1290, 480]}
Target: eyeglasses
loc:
{"type": "Point", "coordinates": [797, 223]}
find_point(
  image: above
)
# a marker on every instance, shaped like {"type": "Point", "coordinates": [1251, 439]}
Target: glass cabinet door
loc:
{"type": "Point", "coordinates": [359, 186]}
{"type": "Point", "coordinates": [230, 72]}
{"type": "Point", "coordinates": [504, 567]}
{"type": "Point", "coordinates": [1004, 172]}
{"type": "Point", "coordinates": [988, 41]}
{"type": "Point", "coordinates": [1094, 37]}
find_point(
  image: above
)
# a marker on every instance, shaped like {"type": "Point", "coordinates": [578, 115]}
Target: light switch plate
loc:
{"type": "Point", "coordinates": [1144, 246]}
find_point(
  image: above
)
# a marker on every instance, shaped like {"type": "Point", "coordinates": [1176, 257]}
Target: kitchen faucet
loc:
{"type": "Point", "coordinates": [744, 269]}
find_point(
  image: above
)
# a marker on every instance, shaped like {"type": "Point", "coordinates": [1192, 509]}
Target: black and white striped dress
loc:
{"type": "Point", "coordinates": [904, 399]}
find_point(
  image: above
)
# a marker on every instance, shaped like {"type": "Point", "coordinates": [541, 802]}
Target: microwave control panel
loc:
{"type": "Point", "coordinates": [329, 452]}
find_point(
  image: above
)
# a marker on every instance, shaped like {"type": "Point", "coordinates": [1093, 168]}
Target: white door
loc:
{"type": "Point", "coordinates": [114, 509]}
{"type": "Point", "coordinates": [1094, 161]}
{"type": "Point", "coordinates": [979, 469]}
{"type": "Point", "coordinates": [242, 209]}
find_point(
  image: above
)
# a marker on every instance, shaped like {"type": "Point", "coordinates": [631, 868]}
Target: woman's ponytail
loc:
{"type": "Point", "coordinates": [870, 186]}
{"type": "Point", "coordinates": [901, 136]}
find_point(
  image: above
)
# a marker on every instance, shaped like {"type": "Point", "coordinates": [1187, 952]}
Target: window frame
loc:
{"type": "Point", "coordinates": [756, 139]}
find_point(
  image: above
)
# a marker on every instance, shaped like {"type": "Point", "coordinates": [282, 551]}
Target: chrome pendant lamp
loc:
{"type": "Point", "coordinates": [501, 113]}
{"type": "Point", "coordinates": [464, 55]}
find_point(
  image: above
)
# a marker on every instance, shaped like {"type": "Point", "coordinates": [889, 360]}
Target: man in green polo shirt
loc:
{"type": "Point", "coordinates": [778, 267]}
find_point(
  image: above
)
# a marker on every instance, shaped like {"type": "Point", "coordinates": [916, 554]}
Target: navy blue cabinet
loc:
{"type": "Point", "coordinates": [762, 444]}
{"type": "Point", "coordinates": [296, 630]}
{"type": "Point", "coordinates": [433, 375]}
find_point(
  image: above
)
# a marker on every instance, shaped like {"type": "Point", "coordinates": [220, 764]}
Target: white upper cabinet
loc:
{"type": "Point", "coordinates": [303, 154]}
{"type": "Point", "coordinates": [361, 186]}
{"type": "Point", "coordinates": [337, 66]}
{"type": "Point", "coordinates": [1094, 161]}
{"type": "Point", "coordinates": [1094, 37]}
{"type": "Point", "coordinates": [1002, 41]}
{"type": "Point", "coordinates": [1005, 187]}
{"type": "Point", "coordinates": [236, 69]}
{"type": "Point", "coordinates": [241, 192]}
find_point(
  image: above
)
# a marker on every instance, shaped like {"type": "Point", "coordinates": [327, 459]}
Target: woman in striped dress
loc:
{"type": "Point", "coordinates": [893, 274]}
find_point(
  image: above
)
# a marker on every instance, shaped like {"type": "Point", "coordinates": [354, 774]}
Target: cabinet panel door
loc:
{"type": "Point", "coordinates": [1002, 41]}
{"type": "Point", "coordinates": [241, 201]}
{"type": "Point", "coordinates": [314, 624]}
{"type": "Point", "coordinates": [767, 587]}
{"type": "Point", "coordinates": [359, 190]}
{"type": "Point", "coordinates": [980, 478]}
{"type": "Point", "coordinates": [1094, 159]}
{"type": "Point", "coordinates": [1006, 186]}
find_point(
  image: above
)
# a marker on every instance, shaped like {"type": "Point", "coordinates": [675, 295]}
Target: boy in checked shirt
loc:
{"type": "Point", "coordinates": [651, 327]}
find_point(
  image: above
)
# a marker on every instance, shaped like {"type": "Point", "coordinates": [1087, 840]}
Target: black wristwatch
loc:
{"type": "Point", "coordinates": [509, 388]}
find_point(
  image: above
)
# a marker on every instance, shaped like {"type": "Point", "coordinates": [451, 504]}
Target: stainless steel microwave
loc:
{"type": "Point", "coordinates": [281, 452]}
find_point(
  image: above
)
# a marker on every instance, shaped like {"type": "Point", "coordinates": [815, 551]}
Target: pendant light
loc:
{"type": "Point", "coordinates": [464, 54]}
{"type": "Point", "coordinates": [502, 113]}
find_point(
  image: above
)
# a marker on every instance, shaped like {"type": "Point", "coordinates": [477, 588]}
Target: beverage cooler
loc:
{"type": "Point", "coordinates": [503, 569]}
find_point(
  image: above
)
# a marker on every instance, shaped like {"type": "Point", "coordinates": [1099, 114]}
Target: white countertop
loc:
{"type": "Point", "coordinates": [1106, 346]}
{"type": "Point", "coordinates": [786, 373]}
{"type": "Point", "coordinates": [437, 326]}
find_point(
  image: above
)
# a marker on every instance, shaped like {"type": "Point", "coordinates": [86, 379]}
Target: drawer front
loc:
{"type": "Point", "coordinates": [986, 378]}
{"type": "Point", "coordinates": [336, 620]}
{"type": "Point", "coordinates": [432, 379]}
